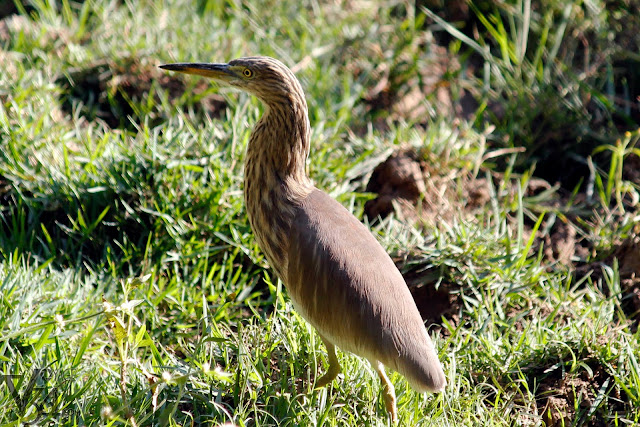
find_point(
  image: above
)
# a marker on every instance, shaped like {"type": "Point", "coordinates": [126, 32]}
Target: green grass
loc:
{"type": "Point", "coordinates": [132, 291]}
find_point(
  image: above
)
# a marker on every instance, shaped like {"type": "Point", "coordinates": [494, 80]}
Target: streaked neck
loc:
{"type": "Point", "coordinates": [275, 177]}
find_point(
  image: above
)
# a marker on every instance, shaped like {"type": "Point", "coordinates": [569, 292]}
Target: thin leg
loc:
{"type": "Point", "coordinates": [388, 391]}
{"type": "Point", "coordinates": [334, 365]}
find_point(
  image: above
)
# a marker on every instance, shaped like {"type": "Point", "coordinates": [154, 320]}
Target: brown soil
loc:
{"type": "Point", "coordinates": [628, 255]}
{"type": "Point", "coordinates": [451, 10]}
{"type": "Point", "coordinates": [559, 393]}
{"type": "Point", "coordinates": [561, 243]}
{"type": "Point", "coordinates": [435, 303]}
{"type": "Point", "coordinates": [433, 298]}
{"type": "Point", "coordinates": [429, 89]}
{"type": "Point", "coordinates": [399, 180]}
{"type": "Point", "coordinates": [109, 91]}
{"type": "Point", "coordinates": [566, 398]}
{"type": "Point", "coordinates": [631, 169]}
{"type": "Point", "coordinates": [408, 187]}
{"type": "Point", "coordinates": [631, 298]}
{"type": "Point", "coordinates": [442, 86]}
{"type": "Point", "coordinates": [7, 8]}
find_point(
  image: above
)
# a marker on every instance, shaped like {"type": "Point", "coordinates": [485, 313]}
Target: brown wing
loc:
{"type": "Point", "coordinates": [345, 284]}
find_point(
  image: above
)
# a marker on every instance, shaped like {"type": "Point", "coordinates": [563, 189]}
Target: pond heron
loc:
{"type": "Point", "coordinates": [338, 276]}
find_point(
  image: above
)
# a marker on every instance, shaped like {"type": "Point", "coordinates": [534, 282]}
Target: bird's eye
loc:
{"type": "Point", "coordinates": [247, 73]}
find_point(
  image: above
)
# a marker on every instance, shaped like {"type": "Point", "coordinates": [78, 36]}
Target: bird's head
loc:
{"type": "Point", "coordinates": [265, 77]}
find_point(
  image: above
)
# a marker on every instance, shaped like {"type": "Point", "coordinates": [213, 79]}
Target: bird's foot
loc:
{"type": "Point", "coordinates": [388, 392]}
{"type": "Point", "coordinates": [334, 365]}
{"type": "Point", "coordinates": [390, 401]}
{"type": "Point", "coordinates": [332, 373]}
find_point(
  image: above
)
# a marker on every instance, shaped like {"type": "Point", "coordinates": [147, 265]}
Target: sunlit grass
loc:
{"type": "Point", "coordinates": [132, 290]}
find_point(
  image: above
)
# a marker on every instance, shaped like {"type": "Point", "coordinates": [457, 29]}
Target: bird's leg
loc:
{"type": "Point", "coordinates": [334, 365]}
{"type": "Point", "coordinates": [388, 391]}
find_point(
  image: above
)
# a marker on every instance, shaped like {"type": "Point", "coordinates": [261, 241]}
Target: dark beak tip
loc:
{"type": "Point", "coordinates": [215, 71]}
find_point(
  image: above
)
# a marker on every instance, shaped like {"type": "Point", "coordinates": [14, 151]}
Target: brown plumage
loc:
{"type": "Point", "coordinates": [338, 276]}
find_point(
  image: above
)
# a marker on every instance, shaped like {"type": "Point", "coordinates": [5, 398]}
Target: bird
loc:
{"type": "Point", "coordinates": [337, 275]}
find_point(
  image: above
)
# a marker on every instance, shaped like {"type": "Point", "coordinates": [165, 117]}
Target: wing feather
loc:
{"type": "Point", "coordinates": [345, 284]}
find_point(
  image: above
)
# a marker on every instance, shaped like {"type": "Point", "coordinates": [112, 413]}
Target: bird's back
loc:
{"type": "Point", "coordinates": [346, 285]}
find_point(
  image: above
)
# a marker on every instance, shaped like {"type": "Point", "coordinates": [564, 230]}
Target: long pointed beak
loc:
{"type": "Point", "coordinates": [215, 71]}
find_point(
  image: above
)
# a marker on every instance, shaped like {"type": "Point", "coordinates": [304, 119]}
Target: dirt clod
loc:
{"type": "Point", "coordinates": [397, 179]}
{"type": "Point", "coordinates": [477, 193]}
{"type": "Point", "coordinates": [407, 186]}
{"type": "Point", "coordinates": [628, 255]}
{"type": "Point", "coordinates": [7, 8]}
{"type": "Point", "coordinates": [560, 244]}
{"type": "Point", "coordinates": [559, 394]}
{"type": "Point", "coordinates": [434, 298]}
{"type": "Point", "coordinates": [434, 303]}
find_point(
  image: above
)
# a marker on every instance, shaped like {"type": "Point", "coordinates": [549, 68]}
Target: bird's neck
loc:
{"type": "Point", "coordinates": [275, 176]}
{"type": "Point", "coordinates": [280, 141]}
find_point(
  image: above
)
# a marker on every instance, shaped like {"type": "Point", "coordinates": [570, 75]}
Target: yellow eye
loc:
{"type": "Point", "coordinates": [247, 73]}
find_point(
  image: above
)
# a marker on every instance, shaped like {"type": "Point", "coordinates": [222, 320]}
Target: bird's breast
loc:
{"type": "Point", "coordinates": [273, 191]}
{"type": "Point", "coordinates": [270, 223]}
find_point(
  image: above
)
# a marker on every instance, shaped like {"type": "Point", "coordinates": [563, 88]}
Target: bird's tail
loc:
{"type": "Point", "coordinates": [421, 367]}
